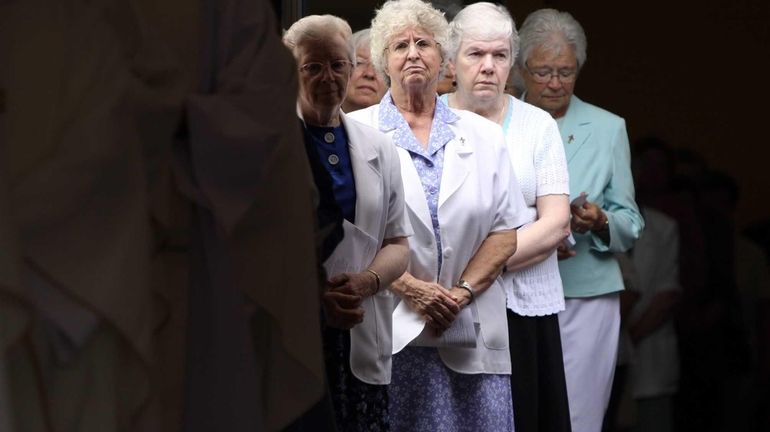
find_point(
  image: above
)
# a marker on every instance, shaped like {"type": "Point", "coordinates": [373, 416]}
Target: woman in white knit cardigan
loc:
{"type": "Point", "coordinates": [485, 44]}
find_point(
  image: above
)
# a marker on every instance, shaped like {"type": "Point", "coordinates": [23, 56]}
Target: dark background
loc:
{"type": "Point", "coordinates": [693, 73]}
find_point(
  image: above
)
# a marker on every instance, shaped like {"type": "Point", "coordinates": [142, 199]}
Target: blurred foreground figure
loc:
{"type": "Point", "coordinates": [108, 230]}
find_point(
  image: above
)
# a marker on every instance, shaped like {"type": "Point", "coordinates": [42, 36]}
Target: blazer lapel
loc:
{"type": "Point", "coordinates": [414, 196]}
{"type": "Point", "coordinates": [574, 129]}
{"type": "Point", "coordinates": [366, 172]}
{"type": "Point", "coordinates": [456, 166]}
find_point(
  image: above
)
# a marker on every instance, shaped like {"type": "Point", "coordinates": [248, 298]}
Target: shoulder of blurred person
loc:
{"type": "Point", "coordinates": [658, 241]}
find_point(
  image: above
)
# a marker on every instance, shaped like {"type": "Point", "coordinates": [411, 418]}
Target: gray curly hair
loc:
{"type": "Point", "coordinates": [540, 27]}
{"type": "Point", "coordinates": [396, 16]}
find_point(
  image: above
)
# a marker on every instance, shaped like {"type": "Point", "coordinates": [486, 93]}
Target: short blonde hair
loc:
{"type": "Point", "coordinates": [318, 27]}
{"type": "Point", "coordinates": [396, 16]}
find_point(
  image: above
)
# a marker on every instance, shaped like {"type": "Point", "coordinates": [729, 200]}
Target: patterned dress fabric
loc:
{"type": "Point", "coordinates": [428, 396]}
{"type": "Point", "coordinates": [358, 406]}
{"type": "Point", "coordinates": [425, 395]}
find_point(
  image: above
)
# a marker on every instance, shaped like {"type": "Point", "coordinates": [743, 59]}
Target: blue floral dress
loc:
{"type": "Point", "coordinates": [425, 395]}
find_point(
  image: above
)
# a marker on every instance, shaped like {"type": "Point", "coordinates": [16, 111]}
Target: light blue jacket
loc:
{"type": "Point", "coordinates": [599, 163]}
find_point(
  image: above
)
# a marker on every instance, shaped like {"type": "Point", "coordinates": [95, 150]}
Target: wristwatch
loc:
{"type": "Point", "coordinates": [462, 283]}
{"type": "Point", "coordinates": [604, 225]}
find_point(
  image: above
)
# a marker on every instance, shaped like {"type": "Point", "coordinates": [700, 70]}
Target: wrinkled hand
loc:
{"type": "Point", "coordinates": [462, 297]}
{"type": "Point", "coordinates": [435, 304]}
{"type": "Point", "coordinates": [343, 310]}
{"type": "Point", "coordinates": [361, 284]}
{"type": "Point", "coordinates": [587, 217]}
{"type": "Point", "coordinates": [563, 252]}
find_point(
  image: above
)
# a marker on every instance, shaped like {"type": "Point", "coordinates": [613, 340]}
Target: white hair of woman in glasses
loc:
{"type": "Point", "coordinates": [361, 38]}
{"type": "Point", "coordinates": [318, 27]}
{"type": "Point", "coordinates": [367, 86]}
{"type": "Point", "coordinates": [540, 26]}
{"type": "Point", "coordinates": [392, 21]}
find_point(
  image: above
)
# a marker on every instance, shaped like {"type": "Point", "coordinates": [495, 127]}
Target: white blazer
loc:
{"type": "Point", "coordinates": [380, 213]}
{"type": "Point", "coordinates": [479, 195]}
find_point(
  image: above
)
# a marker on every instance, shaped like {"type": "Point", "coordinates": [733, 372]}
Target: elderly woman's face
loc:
{"type": "Point", "coordinates": [325, 70]}
{"type": "Point", "coordinates": [366, 86]}
{"type": "Point", "coordinates": [482, 67]}
{"type": "Point", "coordinates": [413, 60]}
{"type": "Point", "coordinates": [549, 76]}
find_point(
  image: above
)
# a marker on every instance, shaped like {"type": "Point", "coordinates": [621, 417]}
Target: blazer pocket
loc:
{"type": "Point", "coordinates": [493, 322]}
{"type": "Point", "coordinates": [364, 352]}
{"type": "Point", "coordinates": [384, 304]}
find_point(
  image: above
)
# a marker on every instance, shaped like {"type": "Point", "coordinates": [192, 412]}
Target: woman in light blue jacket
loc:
{"type": "Point", "coordinates": [605, 217]}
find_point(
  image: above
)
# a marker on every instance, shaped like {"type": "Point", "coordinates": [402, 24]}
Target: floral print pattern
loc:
{"type": "Point", "coordinates": [429, 163]}
{"type": "Point", "coordinates": [425, 395]}
{"type": "Point", "coordinates": [358, 406]}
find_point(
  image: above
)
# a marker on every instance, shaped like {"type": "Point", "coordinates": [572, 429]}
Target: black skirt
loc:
{"type": "Point", "coordinates": [538, 386]}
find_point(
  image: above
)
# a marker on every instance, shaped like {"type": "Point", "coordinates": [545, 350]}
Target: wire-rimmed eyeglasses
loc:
{"type": "Point", "coordinates": [401, 47]}
{"type": "Point", "coordinates": [544, 75]}
{"type": "Point", "coordinates": [338, 67]}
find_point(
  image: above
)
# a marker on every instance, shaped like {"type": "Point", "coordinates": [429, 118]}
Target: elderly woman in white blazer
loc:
{"type": "Point", "coordinates": [451, 371]}
{"type": "Point", "coordinates": [485, 43]}
{"type": "Point", "coordinates": [363, 172]}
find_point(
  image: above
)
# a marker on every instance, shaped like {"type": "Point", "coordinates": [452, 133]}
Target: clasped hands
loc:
{"type": "Point", "coordinates": [343, 296]}
{"type": "Point", "coordinates": [437, 305]}
{"type": "Point", "coordinates": [585, 217]}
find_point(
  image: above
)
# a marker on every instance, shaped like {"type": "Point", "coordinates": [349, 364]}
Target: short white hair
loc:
{"type": "Point", "coordinates": [542, 25]}
{"type": "Point", "coordinates": [396, 16]}
{"type": "Point", "coordinates": [318, 27]}
{"type": "Point", "coordinates": [483, 21]}
{"type": "Point", "coordinates": [361, 39]}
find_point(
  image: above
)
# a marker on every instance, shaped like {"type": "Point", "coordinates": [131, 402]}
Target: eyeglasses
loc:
{"type": "Point", "coordinates": [545, 74]}
{"type": "Point", "coordinates": [400, 48]}
{"type": "Point", "coordinates": [338, 67]}
{"type": "Point", "coordinates": [362, 64]}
